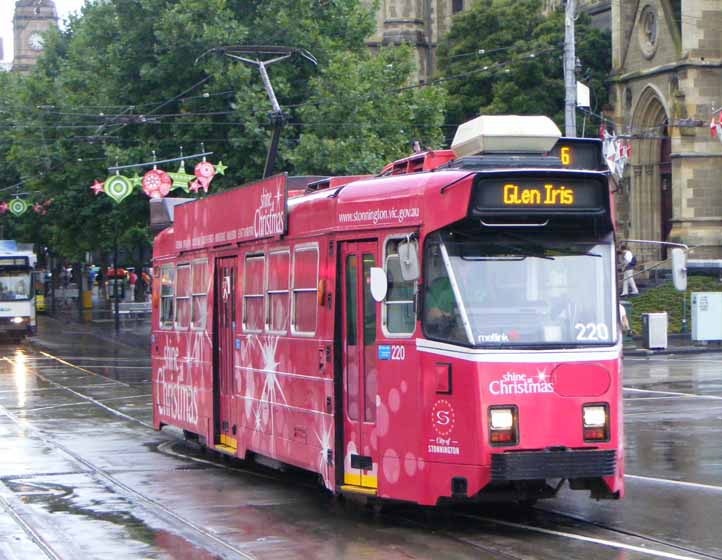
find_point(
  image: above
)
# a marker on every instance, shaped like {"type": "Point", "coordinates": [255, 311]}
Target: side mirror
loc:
{"type": "Point", "coordinates": [679, 269]}
{"type": "Point", "coordinates": [379, 283]}
{"type": "Point", "coordinates": [409, 259]}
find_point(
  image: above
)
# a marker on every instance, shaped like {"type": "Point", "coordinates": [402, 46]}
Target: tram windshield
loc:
{"type": "Point", "coordinates": [14, 285]}
{"type": "Point", "coordinates": [519, 289]}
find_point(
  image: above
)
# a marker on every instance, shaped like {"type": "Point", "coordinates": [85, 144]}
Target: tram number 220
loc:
{"type": "Point", "coordinates": [398, 352]}
{"type": "Point", "coordinates": [592, 331]}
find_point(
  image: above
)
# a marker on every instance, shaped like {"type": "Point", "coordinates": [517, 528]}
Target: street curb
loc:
{"type": "Point", "coordinates": [666, 351]}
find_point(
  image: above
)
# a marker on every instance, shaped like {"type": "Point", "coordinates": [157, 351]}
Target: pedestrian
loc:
{"type": "Point", "coordinates": [626, 328]}
{"type": "Point", "coordinates": [629, 261]}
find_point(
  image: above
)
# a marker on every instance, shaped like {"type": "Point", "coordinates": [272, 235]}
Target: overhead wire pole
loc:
{"type": "Point", "coordinates": [277, 116]}
{"type": "Point", "coordinates": [570, 79]}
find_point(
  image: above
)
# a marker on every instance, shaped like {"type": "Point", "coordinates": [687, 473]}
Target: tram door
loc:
{"type": "Point", "coordinates": [225, 307]}
{"type": "Point", "coordinates": [359, 365]}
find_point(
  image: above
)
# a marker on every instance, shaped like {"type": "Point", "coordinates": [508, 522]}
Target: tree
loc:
{"type": "Point", "coordinates": [505, 57]}
{"type": "Point", "coordinates": [120, 82]}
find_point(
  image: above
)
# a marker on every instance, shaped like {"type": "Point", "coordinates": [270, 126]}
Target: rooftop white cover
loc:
{"type": "Point", "coordinates": [505, 134]}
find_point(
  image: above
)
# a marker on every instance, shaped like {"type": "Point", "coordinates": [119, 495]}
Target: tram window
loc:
{"type": "Point", "coordinates": [279, 270]}
{"type": "Point", "coordinates": [305, 290]}
{"type": "Point", "coordinates": [199, 295]}
{"type": "Point", "coordinates": [398, 312]}
{"type": "Point", "coordinates": [167, 292]}
{"type": "Point", "coordinates": [253, 299]}
{"type": "Point", "coordinates": [183, 296]}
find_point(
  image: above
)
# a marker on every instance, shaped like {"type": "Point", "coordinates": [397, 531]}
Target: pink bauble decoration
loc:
{"type": "Point", "coordinates": [156, 183]}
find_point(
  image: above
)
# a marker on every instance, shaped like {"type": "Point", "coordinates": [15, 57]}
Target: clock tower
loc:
{"type": "Point", "coordinates": [32, 19]}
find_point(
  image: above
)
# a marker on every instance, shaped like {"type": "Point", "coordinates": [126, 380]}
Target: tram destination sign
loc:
{"type": "Point", "coordinates": [538, 194]}
{"type": "Point", "coordinates": [254, 211]}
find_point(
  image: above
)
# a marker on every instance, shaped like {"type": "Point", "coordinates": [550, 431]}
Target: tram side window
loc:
{"type": "Point", "coordinates": [399, 307]}
{"type": "Point", "coordinates": [167, 293]}
{"type": "Point", "coordinates": [183, 297]}
{"type": "Point", "coordinates": [253, 300]}
{"type": "Point", "coordinates": [305, 289]}
{"type": "Point", "coordinates": [199, 295]}
{"type": "Point", "coordinates": [279, 271]}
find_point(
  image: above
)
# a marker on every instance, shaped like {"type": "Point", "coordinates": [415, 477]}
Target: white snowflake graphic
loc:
{"type": "Point", "coordinates": [325, 441]}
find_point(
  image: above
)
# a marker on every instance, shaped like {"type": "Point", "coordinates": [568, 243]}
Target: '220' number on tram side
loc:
{"type": "Point", "coordinates": [592, 331]}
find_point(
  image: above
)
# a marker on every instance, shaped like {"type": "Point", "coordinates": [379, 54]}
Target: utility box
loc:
{"type": "Point", "coordinates": [706, 316]}
{"type": "Point", "coordinates": [654, 330]}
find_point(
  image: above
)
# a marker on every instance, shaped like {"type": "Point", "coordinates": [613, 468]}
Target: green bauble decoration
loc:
{"type": "Point", "coordinates": [17, 207]}
{"type": "Point", "coordinates": [118, 188]}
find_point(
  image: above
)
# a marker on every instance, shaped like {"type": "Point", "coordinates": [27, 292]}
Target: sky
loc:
{"type": "Point", "coordinates": [7, 8]}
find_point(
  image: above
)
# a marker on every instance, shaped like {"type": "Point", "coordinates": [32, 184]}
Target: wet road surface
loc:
{"type": "Point", "coordinates": [83, 475]}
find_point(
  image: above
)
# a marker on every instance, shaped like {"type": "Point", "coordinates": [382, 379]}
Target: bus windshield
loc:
{"type": "Point", "coordinates": [14, 285]}
{"type": "Point", "coordinates": [523, 289]}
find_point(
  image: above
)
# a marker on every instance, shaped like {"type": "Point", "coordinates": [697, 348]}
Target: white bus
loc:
{"type": "Point", "coordinates": [17, 297]}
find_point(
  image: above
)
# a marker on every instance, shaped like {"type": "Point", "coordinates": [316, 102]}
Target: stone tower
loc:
{"type": "Point", "coordinates": [32, 18]}
{"type": "Point", "coordinates": [666, 84]}
{"type": "Point", "coordinates": [417, 22]}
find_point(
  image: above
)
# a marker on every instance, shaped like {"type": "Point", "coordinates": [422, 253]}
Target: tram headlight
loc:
{"type": "Point", "coordinates": [502, 418]}
{"type": "Point", "coordinates": [596, 422]}
{"type": "Point", "coordinates": [503, 425]}
{"type": "Point", "coordinates": [17, 320]}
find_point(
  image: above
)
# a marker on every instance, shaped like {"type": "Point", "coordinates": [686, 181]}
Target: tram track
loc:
{"type": "Point", "coordinates": [633, 534]}
{"type": "Point", "coordinates": [35, 537]}
{"type": "Point", "coordinates": [674, 552]}
{"type": "Point", "coordinates": [217, 544]}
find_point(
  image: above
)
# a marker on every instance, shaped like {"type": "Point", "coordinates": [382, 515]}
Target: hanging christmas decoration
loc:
{"type": "Point", "coordinates": [617, 152]}
{"type": "Point", "coordinates": [181, 179]}
{"type": "Point", "coordinates": [157, 183]}
{"type": "Point", "coordinates": [3, 207]}
{"type": "Point", "coordinates": [118, 188]}
{"type": "Point", "coordinates": [17, 207]}
{"type": "Point", "coordinates": [97, 187]}
{"type": "Point", "coordinates": [715, 127]}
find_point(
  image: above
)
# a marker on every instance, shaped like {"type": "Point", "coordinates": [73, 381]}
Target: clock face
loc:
{"type": "Point", "coordinates": [36, 41]}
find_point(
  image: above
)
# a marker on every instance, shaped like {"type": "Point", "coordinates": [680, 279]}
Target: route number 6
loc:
{"type": "Point", "coordinates": [566, 156]}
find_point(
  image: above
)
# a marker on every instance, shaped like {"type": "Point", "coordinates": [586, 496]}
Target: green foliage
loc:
{"type": "Point", "coordinates": [666, 298]}
{"type": "Point", "coordinates": [361, 115]}
{"type": "Point", "coordinates": [120, 82]}
{"type": "Point", "coordinates": [500, 35]}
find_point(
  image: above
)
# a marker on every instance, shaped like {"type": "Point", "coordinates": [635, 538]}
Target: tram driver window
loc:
{"type": "Point", "coordinates": [167, 293]}
{"type": "Point", "coordinates": [399, 309]}
{"type": "Point", "coordinates": [305, 290]}
{"type": "Point", "coordinates": [442, 319]}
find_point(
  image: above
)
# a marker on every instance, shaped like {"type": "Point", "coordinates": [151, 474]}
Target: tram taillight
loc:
{"type": "Point", "coordinates": [503, 422]}
{"type": "Point", "coordinates": [595, 418]}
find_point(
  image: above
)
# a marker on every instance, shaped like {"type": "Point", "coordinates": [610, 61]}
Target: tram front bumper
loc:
{"type": "Point", "coordinates": [537, 465]}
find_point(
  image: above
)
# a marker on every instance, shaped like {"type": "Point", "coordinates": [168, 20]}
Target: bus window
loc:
{"type": "Point", "coordinates": [305, 288]}
{"type": "Point", "coordinates": [182, 297]}
{"type": "Point", "coordinates": [253, 300]}
{"type": "Point", "coordinates": [167, 292]}
{"type": "Point", "coordinates": [279, 270]}
{"type": "Point", "coordinates": [199, 291]}
{"type": "Point", "coordinates": [399, 314]}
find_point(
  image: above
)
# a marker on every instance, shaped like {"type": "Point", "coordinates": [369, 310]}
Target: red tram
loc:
{"type": "Point", "coordinates": [446, 330]}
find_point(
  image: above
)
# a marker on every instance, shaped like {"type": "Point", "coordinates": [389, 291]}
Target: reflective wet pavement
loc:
{"type": "Point", "coordinates": [83, 475]}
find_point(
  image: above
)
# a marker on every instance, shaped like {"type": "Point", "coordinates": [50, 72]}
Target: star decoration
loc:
{"type": "Point", "coordinates": [136, 180]}
{"type": "Point", "coordinates": [220, 168]}
{"type": "Point", "coordinates": [97, 187]}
